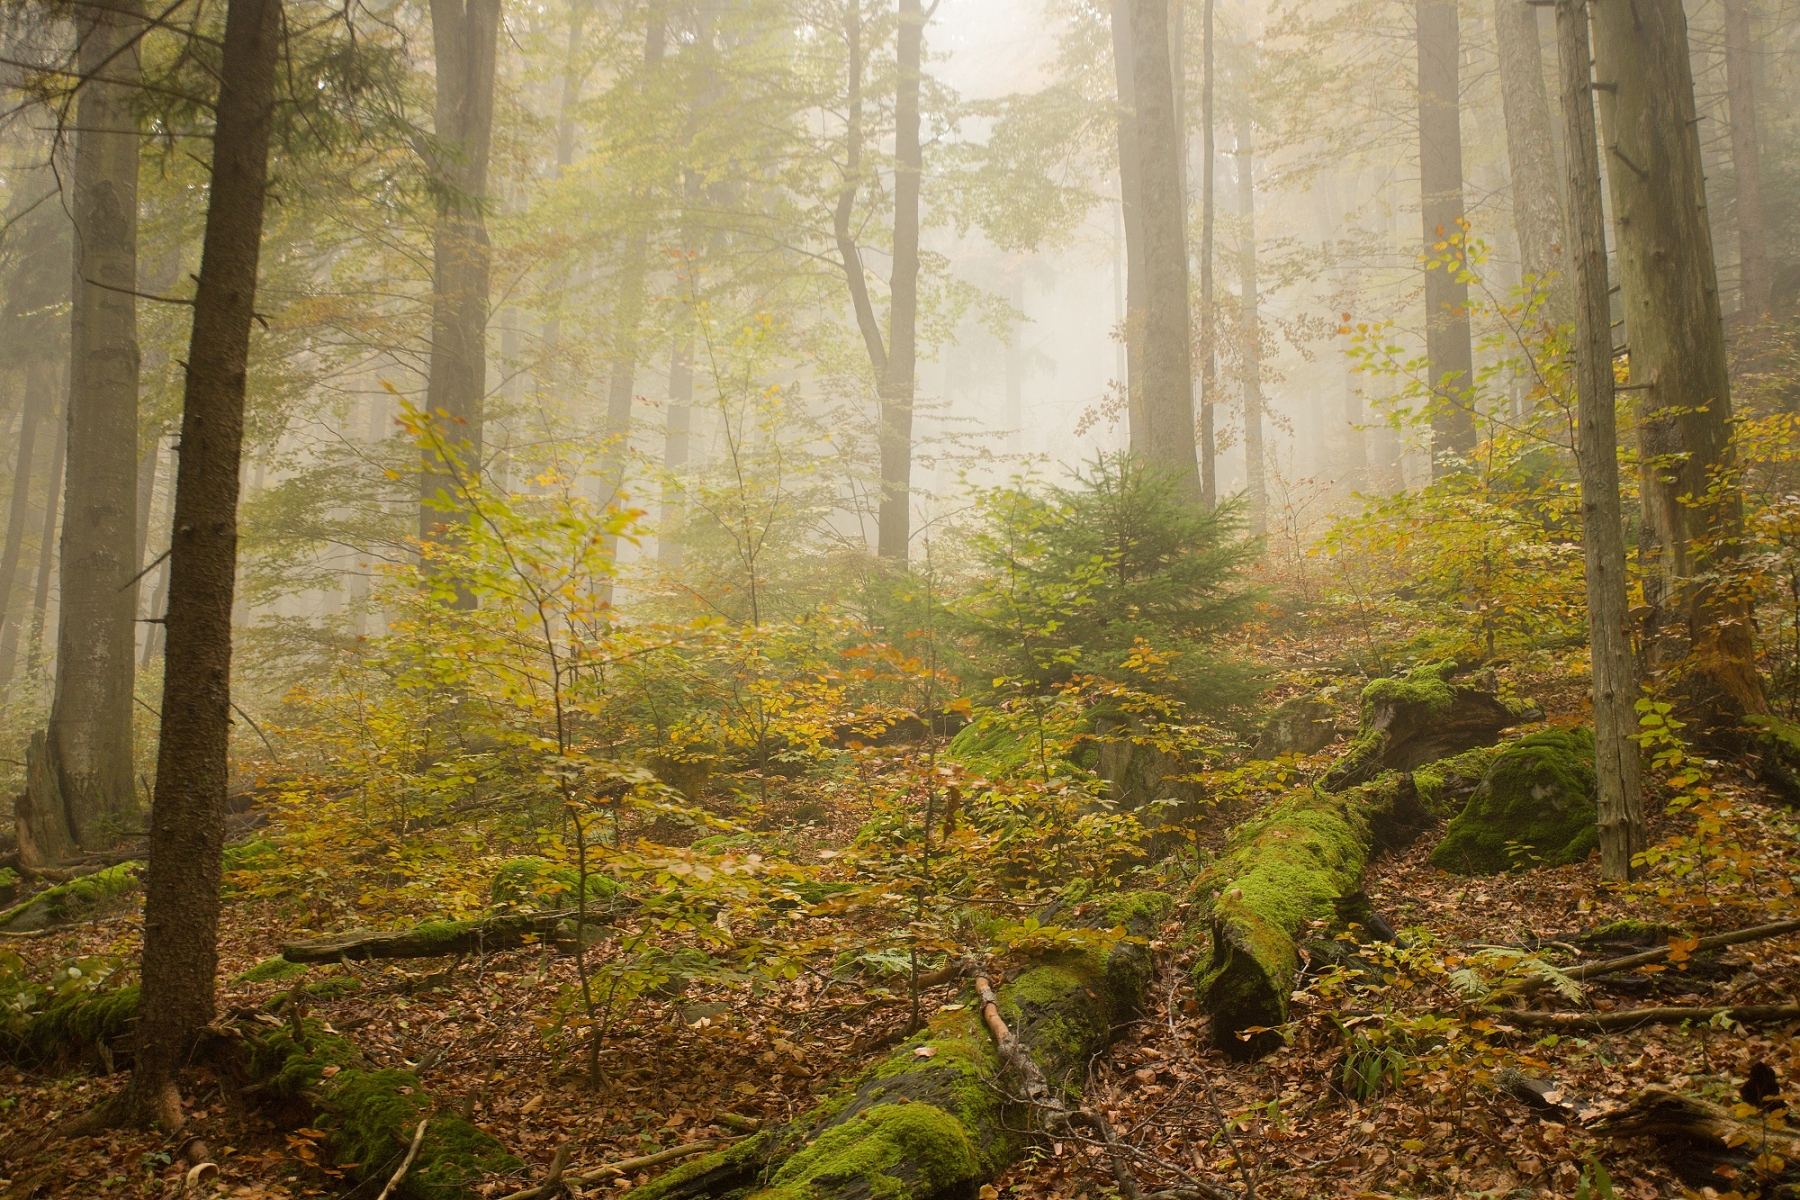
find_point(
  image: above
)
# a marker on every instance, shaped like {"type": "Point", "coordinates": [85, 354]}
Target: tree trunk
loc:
{"type": "Point", "coordinates": [1448, 350]}
{"type": "Point", "coordinates": [899, 384]}
{"type": "Point", "coordinates": [675, 436]}
{"type": "Point", "coordinates": [1015, 361]}
{"type": "Point", "coordinates": [46, 565]}
{"type": "Point", "coordinates": [1131, 215]}
{"type": "Point", "coordinates": [1746, 159]}
{"type": "Point", "coordinates": [40, 377]}
{"type": "Point", "coordinates": [88, 738]}
{"type": "Point", "coordinates": [464, 34]}
{"type": "Point", "coordinates": [1209, 348]}
{"type": "Point", "coordinates": [1168, 375]}
{"type": "Point", "coordinates": [1699, 630]}
{"type": "Point", "coordinates": [1623, 831]}
{"type": "Point", "coordinates": [187, 820]}
{"type": "Point", "coordinates": [1531, 154]}
{"type": "Point", "coordinates": [1250, 333]}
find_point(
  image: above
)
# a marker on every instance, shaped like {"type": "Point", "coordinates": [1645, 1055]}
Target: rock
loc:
{"type": "Point", "coordinates": [693, 1014]}
{"type": "Point", "coordinates": [1302, 725]}
{"type": "Point", "coordinates": [1535, 806]}
{"type": "Point", "coordinates": [1445, 786]}
{"type": "Point", "coordinates": [1423, 717]}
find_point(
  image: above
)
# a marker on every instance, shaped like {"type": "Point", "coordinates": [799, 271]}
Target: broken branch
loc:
{"type": "Point", "coordinates": [1631, 1018]}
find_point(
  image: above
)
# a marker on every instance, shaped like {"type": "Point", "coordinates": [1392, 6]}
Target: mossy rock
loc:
{"type": "Point", "coordinates": [1301, 725]}
{"type": "Point", "coordinates": [928, 1121]}
{"type": "Point", "coordinates": [1445, 786]}
{"type": "Point", "coordinates": [1535, 806]}
{"type": "Point", "coordinates": [1422, 717]}
{"type": "Point", "coordinates": [538, 883]}
{"type": "Point", "coordinates": [73, 900]}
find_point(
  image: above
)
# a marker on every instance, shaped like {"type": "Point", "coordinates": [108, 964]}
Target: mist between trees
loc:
{"type": "Point", "coordinates": [600, 430]}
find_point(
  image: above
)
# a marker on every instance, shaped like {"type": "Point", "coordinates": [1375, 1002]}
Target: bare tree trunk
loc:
{"type": "Point", "coordinates": [1746, 158]}
{"type": "Point", "coordinates": [1168, 375]}
{"type": "Point", "coordinates": [1698, 629]}
{"type": "Point", "coordinates": [187, 819]}
{"type": "Point", "coordinates": [1448, 348]}
{"type": "Point", "coordinates": [1015, 364]}
{"type": "Point", "coordinates": [1131, 213]}
{"type": "Point", "coordinates": [676, 436]}
{"type": "Point", "coordinates": [40, 378]}
{"type": "Point", "coordinates": [1256, 487]}
{"type": "Point", "coordinates": [464, 36]}
{"type": "Point", "coordinates": [1530, 152]}
{"type": "Point", "coordinates": [899, 385]}
{"type": "Point", "coordinates": [1209, 347]}
{"type": "Point", "coordinates": [1623, 831]}
{"type": "Point", "coordinates": [89, 734]}
{"type": "Point", "coordinates": [46, 565]}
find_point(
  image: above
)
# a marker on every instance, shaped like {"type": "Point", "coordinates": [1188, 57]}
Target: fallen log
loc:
{"type": "Point", "coordinates": [1299, 864]}
{"type": "Point", "coordinates": [72, 899]}
{"type": "Point", "coordinates": [928, 1120]}
{"type": "Point", "coordinates": [432, 939]}
{"type": "Point", "coordinates": [1630, 962]}
{"type": "Point", "coordinates": [1632, 1018]}
{"type": "Point", "coordinates": [1706, 1145]}
{"type": "Point", "coordinates": [1422, 717]}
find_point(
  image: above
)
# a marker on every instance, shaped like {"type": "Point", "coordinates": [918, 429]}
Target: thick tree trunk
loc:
{"type": "Point", "coordinates": [1699, 630]}
{"type": "Point", "coordinates": [1531, 154]}
{"type": "Point", "coordinates": [187, 819]}
{"type": "Point", "coordinates": [464, 35]}
{"type": "Point", "coordinates": [1746, 159]}
{"type": "Point", "coordinates": [1131, 216]}
{"type": "Point", "coordinates": [1449, 351]}
{"type": "Point", "coordinates": [1256, 487]}
{"type": "Point", "coordinates": [89, 768]}
{"type": "Point", "coordinates": [1623, 831]}
{"type": "Point", "coordinates": [1209, 348]}
{"type": "Point", "coordinates": [1168, 374]}
{"type": "Point", "coordinates": [899, 383]}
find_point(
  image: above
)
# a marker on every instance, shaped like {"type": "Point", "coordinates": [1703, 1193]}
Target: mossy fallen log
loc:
{"type": "Point", "coordinates": [1708, 1146]}
{"type": "Point", "coordinates": [931, 1121]}
{"type": "Point", "coordinates": [72, 900]}
{"type": "Point", "coordinates": [431, 939]}
{"type": "Point", "coordinates": [1423, 717]}
{"type": "Point", "coordinates": [91, 1026]}
{"type": "Point", "coordinates": [1301, 862]}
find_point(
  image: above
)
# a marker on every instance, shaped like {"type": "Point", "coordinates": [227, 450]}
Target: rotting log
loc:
{"type": "Point", "coordinates": [1631, 962]}
{"type": "Point", "coordinates": [72, 900]}
{"type": "Point", "coordinates": [1421, 718]}
{"type": "Point", "coordinates": [1633, 1018]}
{"type": "Point", "coordinates": [928, 1120]}
{"type": "Point", "coordinates": [1299, 864]}
{"type": "Point", "coordinates": [1705, 1144]}
{"type": "Point", "coordinates": [432, 939]}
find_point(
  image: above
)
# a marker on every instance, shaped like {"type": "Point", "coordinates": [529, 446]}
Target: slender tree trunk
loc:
{"type": "Point", "coordinates": [464, 35]}
{"type": "Point", "coordinates": [40, 377]}
{"type": "Point", "coordinates": [1448, 348]}
{"type": "Point", "coordinates": [1250, 333]}
{"type": "Point", "coordinates": [1168, 374]}
{"type": "Point", "coordinates": [1209, 347]}
{"type": "Point", "coordinates": [1015, 364]}
{"type": "Point", "coordinates": [187, 819]}
{"type": "Point", "coordinates": [46, 564]}
{"type": "Point", "coordinates": [1699, 630]}
{"type": "Point", "coordinates": [1746, 159]}
{"type": "Point", "coordinates": [1531, 154]}
{"type": "Point", "coordinates": [899, 386]}
{"type": "Point", "coordinates": [1623, 831]}
{"type": "Point", "coordinates": [89, 735]}
{"type": "Point", "coordinates": [677, 436]}
{"type": "Point", "coordinates": [1131, 212]}
{"type": "Point", "coordinates": [572, 77]}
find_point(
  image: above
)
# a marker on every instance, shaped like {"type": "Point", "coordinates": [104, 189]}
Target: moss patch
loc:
{"type": "Point", "coordinates": [72, 900]}
{"type": "Point", "coordinates": [1445, 786]}
{"type": "Point", "coordinates": [1535, 806]}
{"type": "Point", "coordinates": [65, 1029]}
{"type": "Point", "coordinates": [894, 1152]}
{"type": "Point", "coordinates": [272, 970]}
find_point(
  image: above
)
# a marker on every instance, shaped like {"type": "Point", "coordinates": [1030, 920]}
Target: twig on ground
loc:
{"type": "Point", "coordinates": [1631, 1018]}
{"type": "Point", "coordinates": [1612, 966]}
{"type": "Point", "coordinates": [407, 1162]}
{"type": "Point", "coordinates": [595, 1174]}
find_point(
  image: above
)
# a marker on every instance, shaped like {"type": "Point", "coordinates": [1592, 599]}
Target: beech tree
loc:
{"type": "Point", "coordinates": [1448, 346]}
{"type": "Point", "coordinates": [1530, 151]}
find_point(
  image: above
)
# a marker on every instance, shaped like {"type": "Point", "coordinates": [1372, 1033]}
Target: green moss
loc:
{"type": "Point", "coordinates": [893, 1152]}
{"type": "Point", "coordinates": [538, 883]}
{"type": "Point", "coordinates": [255, 855]}
{"type": "Point", "coordinates": [1632, 931]}
{"type": "Point", "coordinates": [64, 1029]}
{"type": "Point", "coordinates": [9, 884]}
{"type": "Point", "coordinates": [272, 970]}
{"type": "Point", "coordinates": [330, 988]}
{"type": "Point", "coordinates": [1130, 908]}
{"type": "Point", "coordinates": [1536, 805]}
{"type": "Point", "coordinates": [1444, 786]}
{"type": "Point", "coordinates": [1290, 868]}
{"type": "Point", "coordinates": [1427, 685]}
{"type": "Point", "coordinates": [70, 901]}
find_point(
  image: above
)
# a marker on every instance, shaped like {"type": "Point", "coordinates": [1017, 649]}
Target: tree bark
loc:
{"type": "Point", "coordinates": [1250, 333]}
{"type": "Point", "coordinates": [464, 35]}
{"type": "Point", "coordinates": [1698, 630]}
{"type": "Point", "coordinates": [1623, 830]}
{"type": "Point", "coordinates": [1448, 348]}
{"type": "Point", "coordinates": [187, 820]}
{"type": "Point", "coordinates": [40, 377]}
{"type": "Point", "coordinates": [899, 384]}
{"type": "Point", "coordinates": [1754, 280]}
{"type": "Point", "coordinates": [40, 598]}
{"type": "Point", "coordinates": [89, 734]}
{"type": "Point", "coordinates": [1131, 216]}
{"type": "Point", "coordinates": [1209, 348]}
{"type": "Point", "coordinates": [1531, 155]}
{"type": "Point", "coordinates": [1168, 374]}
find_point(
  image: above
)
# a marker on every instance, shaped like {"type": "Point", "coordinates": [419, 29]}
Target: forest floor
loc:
{"type": "Point", "coordinates": [1282, 1127]}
